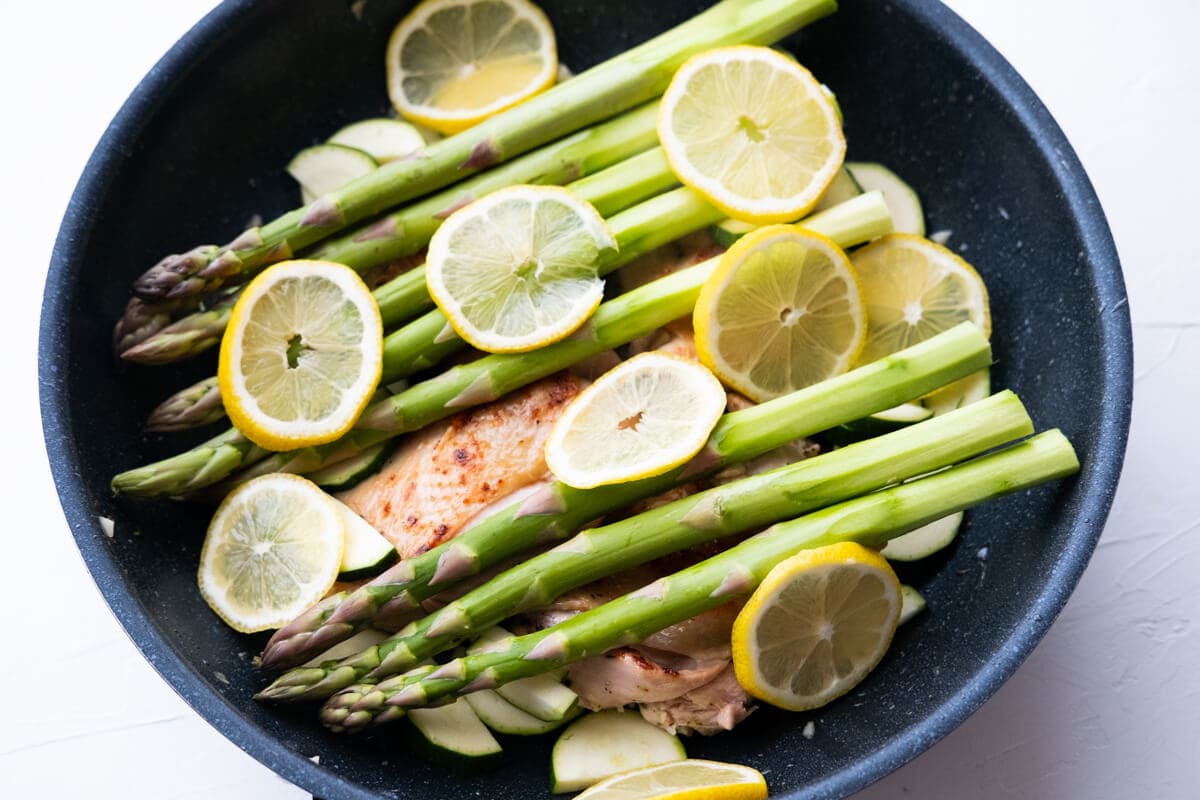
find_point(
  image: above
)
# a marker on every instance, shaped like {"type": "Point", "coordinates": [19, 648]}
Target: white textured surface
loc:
{"type": "Point", "coordinates": [1107, 707]}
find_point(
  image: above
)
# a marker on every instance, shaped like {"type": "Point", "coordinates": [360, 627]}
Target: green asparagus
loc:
{"type": "Point", "coordinates": [733, 508]}
{"type": "Point", "coordinates": [634, 77]}
{"type": "Point", "coordinates": [870, 520]}
{"type": "Point", "coordinates": [600, 163]}
{"type": "Point", "coordinates": [615, 323]}
{"type": "Point", "coordinates": [198, 404]}
{"type": "Point", "coordinates": [740, 436]}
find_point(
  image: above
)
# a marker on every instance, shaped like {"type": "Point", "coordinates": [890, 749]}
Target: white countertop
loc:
{"type": "Point", "coordinates": [1106, 707]}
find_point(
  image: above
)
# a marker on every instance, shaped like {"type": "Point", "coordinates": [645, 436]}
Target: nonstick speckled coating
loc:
{"type": "Point", "coordinates": [201, 146]}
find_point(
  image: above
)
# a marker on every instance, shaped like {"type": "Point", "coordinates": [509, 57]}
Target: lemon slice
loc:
{"type": "Point", "coordinates": [273, 549]}
{"type": "Point", "coordinates": [642, 418]}
{"type": "Point", "coordinates": [816, 626]}
{"type": "Point", "coordinates": [690, 779]}
{"type": "Point", "coordinates": [781, 311]}
{"type": "Point", "coordinates": [519, 269]}
{"type": "Point", "coordinates": [915, 289]}
{"type": "Point", "coordinates": [453, 63]}
{"type": "Point", "coordinates": [752, 131]}
{"type": "Point", "coordinates": [301, 355]}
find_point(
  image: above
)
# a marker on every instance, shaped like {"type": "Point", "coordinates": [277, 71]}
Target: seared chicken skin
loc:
{"type": "Point", "coordinates": [716, 706]}
{"type": "Point", "coordinates": [445, 476]}
{"type": "Point", "coordinates": [680, 676]}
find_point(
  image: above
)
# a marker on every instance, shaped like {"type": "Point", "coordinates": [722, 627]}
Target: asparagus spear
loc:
{"type": "Point", "coordinates": [603, 156]}
{"type": "Point", "coordinates": [616, 322]}
{"type": "Point", "coordinates": [733, 508]}
{"type": "Point", "coordinates": [198, 404]}
{"type": "Point", "coordinates": [739, 436]}
{"type": "Point", "coordinates": [633, 77]}
{"type": "Point", "coordinates": [186, 337]}
{"type": "Point", "coordinates": [870, 520]}
{"type": "Point", "coordinates": [140, 321]}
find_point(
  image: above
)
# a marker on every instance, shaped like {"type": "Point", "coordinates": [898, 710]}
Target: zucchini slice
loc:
{"type": "Point", "coordinates": [383, 139]}
{"type": "Point", "coordinates": [543, 696]}
{"type": "Point", "coordinates": [911, 603]}
{"type": "Point", "coordinates": [924, 541]}
{"type": "Point", "coordinates": [349, 473]}
{"type": "Point", "coordinates": [367, 552]}
{"type": "Point", "coordinates": [729, 230]}
{"type": "Point", "coordinates": [605, 743]}
{"type": "Point", "coordinates": [878, 424]}
{"type": "Point", "coordinates": [840, 189]}
{"type": "Point", "coordinates": [454, 735]}
{"type": "Point", "coordinates": [907, 214]}
{"type": "Point", "coordinates": [503, 717]}
{"type": "Point", "coordinates": [324, 167]}
{"type": "Point", "coordinates": [902, 415]}
{"type": "Point", "coordinates": [961, 393]}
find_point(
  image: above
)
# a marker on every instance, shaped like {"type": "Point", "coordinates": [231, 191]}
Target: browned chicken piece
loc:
{"type": "Point", "coordinates": [704, 637]}
{"type": "Point", "coordinates": [627, 675]}
{"type": "Point", "coordinates": [716, 706]}
{"type": "Point", "coordinates": [675, 339]}
{"type": "Point", "coordinates": [680, 669]}
{"type": "Point", "coordinates": [681, 678]}
{"type": "Point", "coordinates": [445, 476]}
{"type": "Point", "coordinates": [378, 276]}
{"type": "Point", "coordinates": [665, 666]}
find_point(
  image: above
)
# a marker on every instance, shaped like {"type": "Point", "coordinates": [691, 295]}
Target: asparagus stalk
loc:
{"type": "Point", "coordinates": [198, 404]}
{"type": "Point", "coordinates": [600, 161]}
{"type": "Point", "coordinates": [733, 508]}
{"type": "Point", "coordinates": [140, 321]}
{"type": "Point", "coordinates": [623, 82]}
{"type": "Point", "coordinates": [615, 323]}
{"type": "Point", "coordinates": [740, 436]}
{"type": "Point", "coordinates": [870, 520]}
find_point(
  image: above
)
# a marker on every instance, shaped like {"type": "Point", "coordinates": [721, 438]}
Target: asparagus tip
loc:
{"type": "Point", "coordinates": [246, 240]}
{"type": "Point", "coordinates": [545, 500]}
{"type": "Point", "coordinates": [461, 202]}
{"type": "Point", "coordinates": [386, 228]}
{"type": "Point", "coordinates": [323, 213]}
{"type": "Point", "coordinates": [484, 155]}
